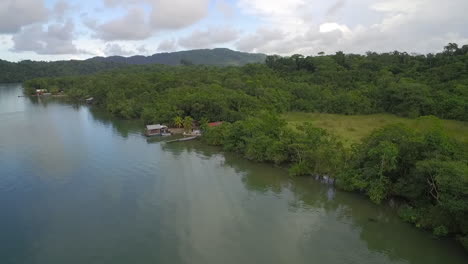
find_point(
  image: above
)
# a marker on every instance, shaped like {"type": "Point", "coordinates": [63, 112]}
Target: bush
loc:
{"type": "Point", "coordinates": [440, 231]}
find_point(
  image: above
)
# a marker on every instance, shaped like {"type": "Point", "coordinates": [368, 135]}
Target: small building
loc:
{"type": "Point", "coordinates": [41, 91]}
{"type": "Point", "coordinates": [156, 130]}
{"type": "Point", "coordinates": [215, 124]}
{"type": "Point", "coordinates": [89, 100]}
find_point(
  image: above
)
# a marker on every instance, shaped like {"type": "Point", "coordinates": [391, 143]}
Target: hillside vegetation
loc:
{"type": "Point", "coordinates": [11, 72]}
{"type": "Point", "coordinates": [418, 162]}
{"type": "Point", "coordinates": [218, 57]}
{"type": "Point", "coordinates": [15, 72]}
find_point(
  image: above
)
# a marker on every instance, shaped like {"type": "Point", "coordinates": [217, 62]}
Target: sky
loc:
{"type": "Point", "coordinates": [78, 29]}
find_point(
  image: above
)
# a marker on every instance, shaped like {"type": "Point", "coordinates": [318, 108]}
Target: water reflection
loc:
{"type": "Point", "coordinates": [376, 225]}
{"type": "Point", "coordinates": [123, 127]}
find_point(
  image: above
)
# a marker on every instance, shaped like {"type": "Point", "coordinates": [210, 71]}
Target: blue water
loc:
{"type": "Point", "coordinates": [77, 186]}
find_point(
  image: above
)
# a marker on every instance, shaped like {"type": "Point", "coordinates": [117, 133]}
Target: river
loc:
{"type": "Point", "coordinates": [78, 186]}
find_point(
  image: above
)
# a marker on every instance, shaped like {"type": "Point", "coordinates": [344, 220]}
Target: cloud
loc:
{"type": "Point", "coordinates": [260, 40]}
{"type": "Point", "coordinates": [52, 39]}
{"type": "Point", "coordinates": [147, 17]}
{"type": "Point", "coordinates": [225, 8]}
{"type": "Point", "coordinates": [208, 38]}
{"type": "Point", "coordinates": [61, 8]}
{"type": "Point", "coordinates": [142, 49]}
{"type": "Point", "coordinates": [309, 26]}
{"type": "Point", "coordinates": [175, 14]}
{"type": "Point", "coordinates": [335, 8]}
{"type": "Point", "coordinates": [132, 26]}
{"type": "Point", "coordinates": [15, 14]}
{"type": "Point", "coordinates": [113, 49]}
{"type": "Point", "coordinates": [168, 45]}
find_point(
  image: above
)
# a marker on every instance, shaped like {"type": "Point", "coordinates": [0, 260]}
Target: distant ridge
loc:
{"type": "Point", "coordinates": [11, 72]}
{"type": "Point", "coordinates": [218, 56]}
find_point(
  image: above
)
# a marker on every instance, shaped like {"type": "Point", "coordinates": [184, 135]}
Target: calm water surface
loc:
{"type": "Point", "coordinates": [77, 186]}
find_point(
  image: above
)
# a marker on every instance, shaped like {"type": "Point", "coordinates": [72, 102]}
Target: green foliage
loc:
{"type": "Point", "coordinates": [178, 121]}
{"type": "Point", "coordinates": [266, 137]}
{"type": "Point", "coordinates": [188, 123]}
{"type": "Point", "coordinates": [440, 231]}
{"type": "Point", "coordinates": [11, 72]}
{"type": "Point", "coordinates": [424, 167]}
{"type": "Point", "coordinates": [464, 241]}
{"type": "Point", "coordinates": [409, 214]}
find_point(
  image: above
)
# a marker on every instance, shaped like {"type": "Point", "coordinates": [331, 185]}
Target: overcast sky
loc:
{"type": "Point", "coordinates": [79, 29]}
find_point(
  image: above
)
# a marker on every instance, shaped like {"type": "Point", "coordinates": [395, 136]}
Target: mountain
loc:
{"type": "Point", "coordinates": [219, 57]}
{"type": "Point", "coordinates": [11, 72]}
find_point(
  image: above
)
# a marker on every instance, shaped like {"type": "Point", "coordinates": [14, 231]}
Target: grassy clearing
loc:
{"type": "Point", "coordinates": [353, 128]}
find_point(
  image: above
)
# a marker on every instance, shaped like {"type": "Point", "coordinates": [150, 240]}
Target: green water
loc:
{"type": "Point", "coordinates": [77, 186]}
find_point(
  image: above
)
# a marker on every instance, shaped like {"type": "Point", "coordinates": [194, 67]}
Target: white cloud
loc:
{"type": "Point", "coordinates": [52, 39]}
{"type": "Point", "coordinates": [269, 26]}
{"type": "Point", "coordinates": [113, 49]}
{"type": "Point", "coordinates": [261, 40]}
{"type": "Point", "coordinates": [168, 45]}
{"type": "Point", "coordinates": [335, 8]}
{"type": "Point", "coordinates": [142, 50]}
{"type": "Point", "coordinates": [225, 8]}
{"type": "Point", "coordinates": [17, 13]}
{"type": "Point", "coordinates": [310, 26]}
{"type": "Point", "coordinates": [175, 14]}
{"type": "Point", "coordinates": [132, 26]}
{"type": "Point", "coordinates": [140, 23]}
{"type": "Point", "coordinates": [208, 38]}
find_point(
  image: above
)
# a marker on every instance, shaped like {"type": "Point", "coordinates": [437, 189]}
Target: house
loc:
{"type": "Point", "coordinates": [156, 130]}
{"type": "Point", "coordinates": [214, 124]}
{"type": "Point", "coordinates": [41, 91]}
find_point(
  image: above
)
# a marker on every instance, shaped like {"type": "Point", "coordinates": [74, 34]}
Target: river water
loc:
{"type": "Point", "coordinates": [77, 186]}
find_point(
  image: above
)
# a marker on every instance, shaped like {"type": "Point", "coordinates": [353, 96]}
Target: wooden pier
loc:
{"type": "Point", "coordinates": [182, 139]}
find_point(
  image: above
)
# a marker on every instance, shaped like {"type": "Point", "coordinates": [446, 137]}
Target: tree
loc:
{"type": "Point", "coordinates": [178, 121]}
{"type": "Point", "coordinates": [188, 124]}
{"type": "Point", "coordinates": [186, 62]}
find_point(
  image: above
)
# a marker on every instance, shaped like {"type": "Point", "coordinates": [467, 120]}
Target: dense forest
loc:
{"type": "Point", "coordinates": [11, 72]}
{"type": "Point", "coordinates": [424, 170]}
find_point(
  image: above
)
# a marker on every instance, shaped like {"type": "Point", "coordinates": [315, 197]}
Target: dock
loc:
{"type": "Point", "coordinates": [182, 139]}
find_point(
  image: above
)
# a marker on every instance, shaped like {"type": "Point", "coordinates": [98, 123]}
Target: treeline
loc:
{"type": "Point", "coordinates": [218, 57]}
{"type": "Point", "coordinates": [11, 72]}
{"type": "Point", "coordinates": [15, 72]}
{"type": "Point", "coordinates": [397, 83]}
{"type": "Point", "coordinates": [424, 170]}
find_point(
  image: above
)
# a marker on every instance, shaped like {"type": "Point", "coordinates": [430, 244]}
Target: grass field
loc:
{"type": "Point", "coordinates": [353, 128]}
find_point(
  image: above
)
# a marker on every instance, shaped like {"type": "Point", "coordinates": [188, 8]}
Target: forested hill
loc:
{"type": "Point", "coordinates": [11, 72]}
{"type": "Point", "coordinates": [219, 57]}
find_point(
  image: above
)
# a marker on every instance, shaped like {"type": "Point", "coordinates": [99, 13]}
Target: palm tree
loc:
{"type": "Point", "coordinates": [188, 123]}
{"type": "Point", "coordinates": [178, 121]}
